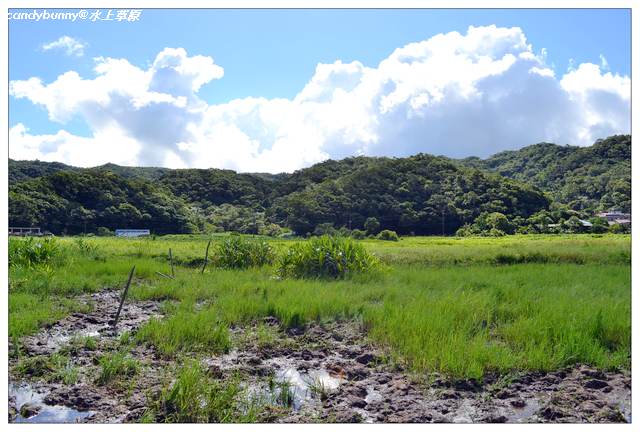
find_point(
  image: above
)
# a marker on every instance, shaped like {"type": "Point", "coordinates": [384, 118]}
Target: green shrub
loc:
{"type": "Point", "coordinates": [494, 232]}
{"type": "Point", "coordinates": [619, 229]}
{"type": "Point", "coordinates": [86, 248]}
{"type": "Point", "coordinates": [325, 229]}
{"type": "Point", "coordinates": [326, 257]}
{"type": "Point", "coordinates": [464, 231]}
{"type": "Point", "coordinates": [104, 232]}
{"type": "Point", "coordinates": [388, 235]}
{"type": "Point", "coordinates": [239, 252]}
{"type": "Point", "coordinates": [358, 234]}
{"type": "Point", "coordinates": [371, 225]}
{"type": "Point", "coordinates": [31, 252]}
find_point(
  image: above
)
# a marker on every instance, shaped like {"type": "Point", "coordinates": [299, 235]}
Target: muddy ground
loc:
{"type": "Point", "coordinates": [332, 374]}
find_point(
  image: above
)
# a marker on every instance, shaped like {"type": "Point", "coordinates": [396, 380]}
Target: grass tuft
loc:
{"type": "Point", "coordinates": [115, 366]}
{"type": "Point", "coordinates": [326, 257]}
{"type": "Point", "coordinates": [194, 397]}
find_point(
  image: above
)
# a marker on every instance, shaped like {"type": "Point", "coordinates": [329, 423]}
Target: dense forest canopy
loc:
{"type": "Point", "coordinates": [523, 190]}
{"type": "Point", "coordinates": [584, 178]}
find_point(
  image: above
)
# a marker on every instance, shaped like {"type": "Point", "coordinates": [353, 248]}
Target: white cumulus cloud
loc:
{"type": "Point", "coordinates": [70, 46]}
{"type": "Point", "coordinates": [454, 94]}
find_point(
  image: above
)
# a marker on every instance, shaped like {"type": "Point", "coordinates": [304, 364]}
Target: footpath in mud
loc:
{"type": "Point", "coordinates": [331, 372]}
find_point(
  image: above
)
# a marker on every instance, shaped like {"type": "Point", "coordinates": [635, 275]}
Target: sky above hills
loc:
{"type": "Point", "coordinates": [278, 90]}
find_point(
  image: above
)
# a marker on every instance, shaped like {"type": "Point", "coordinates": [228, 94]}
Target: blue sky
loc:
{"type": "Point", "coordinates": [274, 53]}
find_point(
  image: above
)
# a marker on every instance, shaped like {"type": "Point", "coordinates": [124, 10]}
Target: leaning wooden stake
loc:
{"type": "Point", "coordinates": [173, 274]}
{"type": "Point", "coordinates": [164, 275]}
{"type": "Point", "coordinates": [206, 257]}
{"type": "Point", "coordinates": [124, 295]}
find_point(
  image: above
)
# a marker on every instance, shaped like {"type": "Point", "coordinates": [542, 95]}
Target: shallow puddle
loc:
{"type": "Point", "coordinates": [304, 386]}
{"type": "Point", "coordinates": [301, 387]}
{"type": "Point", "coordinates": [526, 413]}
{"type": "Point", "coordinates": [23, 393]}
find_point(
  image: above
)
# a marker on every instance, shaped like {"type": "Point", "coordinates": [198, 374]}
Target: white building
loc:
{"type": "Point", "coordinates": [132, 232]}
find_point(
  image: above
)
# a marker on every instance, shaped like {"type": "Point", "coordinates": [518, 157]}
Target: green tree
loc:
{"type": "Point", "coordinates": [372, 226]}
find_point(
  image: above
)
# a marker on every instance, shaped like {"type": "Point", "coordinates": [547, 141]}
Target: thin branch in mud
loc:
{"type": "Point", "coordinates": [124, 295]}
{"type": "Point", "coordinates": [173, 274]}
{"type": "Point", "coordinates": [206, 257]}
{"type": "Point", "coordinates": [164, 275]}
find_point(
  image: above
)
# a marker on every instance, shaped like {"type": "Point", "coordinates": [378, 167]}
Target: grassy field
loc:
{"type": "Point", "coordinates": [462, 306]}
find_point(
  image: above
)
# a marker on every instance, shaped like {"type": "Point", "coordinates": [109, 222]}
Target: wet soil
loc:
{"type": "Point", "coordinates": [86, 401]}
{"type": "Point", "coordinates": [358, 385]}
{"type": "Point", "coordinates": [96, 323]}
{"type": "Point", "coordinates": [330, 372]}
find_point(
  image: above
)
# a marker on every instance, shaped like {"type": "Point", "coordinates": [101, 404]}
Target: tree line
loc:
{"type": "Point", "coordinates": [527, 190]}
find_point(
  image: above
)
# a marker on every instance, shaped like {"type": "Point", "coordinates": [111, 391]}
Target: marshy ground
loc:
{"type": "Point", "coordinates": [521, 329]}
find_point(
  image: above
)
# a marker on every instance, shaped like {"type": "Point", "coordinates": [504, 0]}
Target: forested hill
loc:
{"type": "Point", "coordinates": [584, 178]}
{"type": "Point", "coordinates": [20, 170]}
{"type": "Point", "coordinates": [421, 194]}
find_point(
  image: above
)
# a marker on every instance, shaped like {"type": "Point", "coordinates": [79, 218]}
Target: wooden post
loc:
{"type": "Point", "coordinates": [173, 274]}
{"type": "Point", "coordinates": [206, 257]}
{"type": "Point", "coordinates": [124, 295]}
{"type": "Point", "coordinates": [164, 275]}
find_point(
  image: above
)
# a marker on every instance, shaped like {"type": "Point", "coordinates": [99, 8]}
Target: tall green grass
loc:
{"type": "Point", "coordinates": [326, 257]}
{"type": "Point", "coordinates": [240, 252]}
{"type": "Point", "coordinates": [464, 307]}
{"type": "Point", "coordinates": [30, 252]}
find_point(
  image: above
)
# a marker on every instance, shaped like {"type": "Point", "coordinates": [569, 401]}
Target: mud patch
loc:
{"type": "Point", "coordinates": [322, 373]}
{"type": "Point", "coordinates": [96, 323]}
{"type": "Point", "coordinates": [46, 399]}
{"type": "Point", "coordinates": [335, 375]}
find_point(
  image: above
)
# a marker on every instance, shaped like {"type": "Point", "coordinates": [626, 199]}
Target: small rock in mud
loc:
{"type": "Point", "coordinates": [596, 384]}
{"type": "Point", "coordinates": [467, 385]}
{"type": "Point", "coordinates": [517, 403]}
{"type": "Point", "coordinates": [357, 402]}
{"type": "Point", "coordinates": [450, 394]}
{"type": "Point", "coordinates": [552, 412]}
{"type": "Point", "coordinates": [494, 418]}
{"type": "Point", "coordinates": [29, 409]}
{"type": "Point", "coordinates": [504, 394]}
{"type": "Point", "coordinates": [365, 358]}
{"type": "Point", "coordinates": [592, 373]}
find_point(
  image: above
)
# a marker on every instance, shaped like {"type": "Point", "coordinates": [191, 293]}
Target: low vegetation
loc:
{"type": "Point", "coordinates": [116, 366]}
{"type": "Point", "coordinates": [461, 306]}
{"type": "Point", "coordinates": [56, 368]}
{"type": "Point", "coordinates": [187, 330]}
{"type": "Point", "coordinates": [195, 397]}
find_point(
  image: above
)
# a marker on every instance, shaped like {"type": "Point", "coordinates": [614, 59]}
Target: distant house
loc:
{"type": "Point", "coordinates": [615, 217]}
{"type": "Point", "coordinates": [585, 223]}
{"type": "Point", "coordinates": [132, 232]}
{"type": "Point", "coordinates": [24, 231]}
